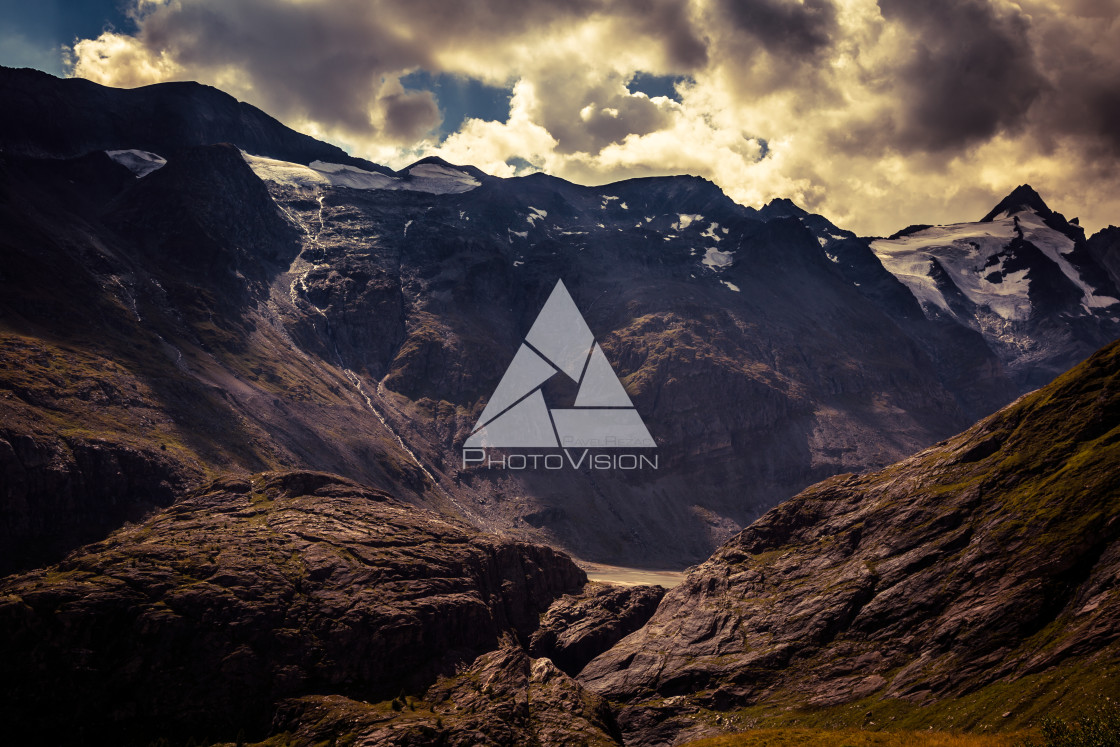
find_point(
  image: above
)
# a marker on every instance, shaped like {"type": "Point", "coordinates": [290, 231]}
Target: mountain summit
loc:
{"type": "Point", "coordinates": [1022, 198]}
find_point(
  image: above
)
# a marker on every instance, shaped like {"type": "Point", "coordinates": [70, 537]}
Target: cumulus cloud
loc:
{"type": "Point", "coordinates": [875, 113]}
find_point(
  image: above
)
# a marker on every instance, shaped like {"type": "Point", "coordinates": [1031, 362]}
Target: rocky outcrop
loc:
{"type": "Point", "coordinates": [197, 622]}
{"type": "Point", "coordinates": [504, 698]}
{"type": "Point", "coordinates": [580, 626]}
{"type": "Point", "coordinates": [206, 214]}
{"type": "Point", "coordinates": [986, 560]}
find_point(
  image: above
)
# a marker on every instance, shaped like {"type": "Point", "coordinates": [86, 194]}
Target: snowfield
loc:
{"type": "Point", "coordinates": [426, 177]}
{"type": "Point", "coordinates": [973, 256]}
{"type": "Point", "coordinates": [969, 253]}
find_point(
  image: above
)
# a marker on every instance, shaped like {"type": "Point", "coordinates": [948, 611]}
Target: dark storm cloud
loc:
{"type": "Point", "coordinates": [784, 27]}
{"type": "Point", "coordinates": [602, 125]}
{"type": "Point", "coordinates": [1102, 113]}
{"type": "Point", "coordinates": [409, 115]}
{"type": "Point", "coordinates": [971, 72]}
{"type": "Point", "coordinates": [977, 70]}
{"type": "Point", "coordinates": [668, 22]}
{"type": "Point", "coordinates": [487, 19]}
{"type": "Point", "coordinates": [1079, 49]}
{"type": "Point", "coordinates": [329, 61]}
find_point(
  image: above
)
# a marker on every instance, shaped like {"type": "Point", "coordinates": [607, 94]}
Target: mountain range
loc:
{"type": "Point", "coordinates": [238, 368]}
{"type": "Point", "coordinates": [191, 287]}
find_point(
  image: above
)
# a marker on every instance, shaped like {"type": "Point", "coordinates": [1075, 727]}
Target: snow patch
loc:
{"type": "Point", "coordinates": [684, 221]}
{"type": "Point", "coordinates": [354, 178]}
{"type": "Point", "coordinates": [716, 259]}
{"type": "Point", "coordinates": [535, 215]}
{"type": "Point", "coordinates": [730, 285]}
{"type": "Point", "coordinates": [286, 174]}
{"type": "Point", "coordinates": [139, 162]}
{"type": "Point", "coordinates": [710, 232]}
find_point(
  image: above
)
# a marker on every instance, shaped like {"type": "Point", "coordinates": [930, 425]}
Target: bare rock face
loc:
{"type": "Point", "coordinates": [251, 590]}
{"type": "Point", "coordinates": [580, 626]}
{"type": "Point", "coordinates": [984, 559]}
{"type": "Point", "coordinates": [504, 698]}
{"type": "Point", "coordinates": [1104, 246]}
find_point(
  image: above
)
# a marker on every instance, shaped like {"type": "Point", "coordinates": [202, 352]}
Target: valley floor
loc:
{"type": "Point", "coordinates": [616, 574]}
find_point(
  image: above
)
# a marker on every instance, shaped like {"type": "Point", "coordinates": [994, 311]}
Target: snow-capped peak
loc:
{"type": "Point", "coordinates": [1021, 199]}
{"type": "Point", "coordinates": [981, 261]}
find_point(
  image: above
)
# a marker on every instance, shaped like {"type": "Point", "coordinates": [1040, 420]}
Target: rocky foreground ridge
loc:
{"type": "Point", "coordinates": [296, 602]}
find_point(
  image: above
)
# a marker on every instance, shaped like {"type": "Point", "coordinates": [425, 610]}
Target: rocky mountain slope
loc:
{"type": "Point", "coordinates": [171, 308]}
{"type": "Point", "coordinates": [968, 586]}
{"type": "Point", "coordinates": [291, 601]}
{"type": "Point", "coordinates": [141, 352]}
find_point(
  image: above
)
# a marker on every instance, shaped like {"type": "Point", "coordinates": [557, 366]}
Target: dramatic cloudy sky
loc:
{"type": "Point", "coordinates": [875, 113]}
